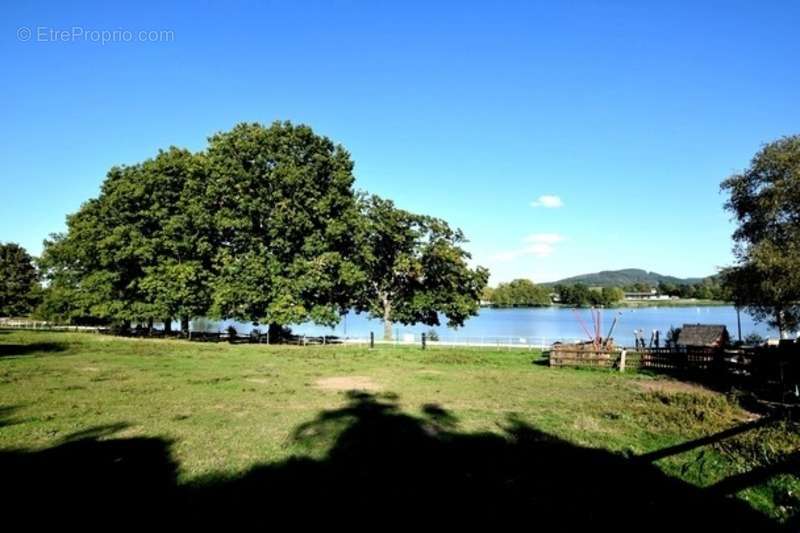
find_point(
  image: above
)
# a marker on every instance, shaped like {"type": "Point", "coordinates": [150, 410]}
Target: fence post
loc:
{"type": "Point", "coordinates": [423, 340]}
{"type": "Point", "coordinates": [622, 360]}
{"type": "Point", "coordinates": [371, 340]}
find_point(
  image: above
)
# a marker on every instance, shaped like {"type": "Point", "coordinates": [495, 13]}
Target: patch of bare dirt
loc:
{"type": "Point", "coordinates": [345, 383]}
{"type": "Point", "coordinates": [670, 386]}
{"type": "Point", "coordinates": [587, 423]}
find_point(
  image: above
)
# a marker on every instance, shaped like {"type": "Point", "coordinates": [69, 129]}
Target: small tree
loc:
{"type": "Point", "coordinates": [671, 338]}
{"type": "Point", "coordinates": [520, 293]}
{"type": "Point", "coordinates": [488, 294]}
{"type": "Point", "coordinates": [415, 268]}
{"type": "Point", "coordinates": [765, 201]}
{"type": "Point", "coordinates": [578, 295]}
{"type": "Point", "coordinates": [669, 289]}
{"type": "Point", "coordinates": [19, 287]}
{"type": "Point", "coordinates": [611, 295]}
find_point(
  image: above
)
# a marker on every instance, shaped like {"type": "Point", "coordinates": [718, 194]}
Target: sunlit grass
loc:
{"type": "Point", "coordinates": [227, 407]}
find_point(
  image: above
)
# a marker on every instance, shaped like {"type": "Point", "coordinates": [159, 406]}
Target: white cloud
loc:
{"type": "Point", "coordinates": [549, 201]}
{"type": "Point", "coordinates": [505, 257]}
{"type": "Point", "coordinates": [541, 249]}
{"type": "Point", "coordinates": [548, 238]}
{"type": "Point", "coordinates": [536, 244]}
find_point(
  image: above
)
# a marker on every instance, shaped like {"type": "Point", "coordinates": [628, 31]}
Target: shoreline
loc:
{"type": "Point", "coordinates": [625, 304]}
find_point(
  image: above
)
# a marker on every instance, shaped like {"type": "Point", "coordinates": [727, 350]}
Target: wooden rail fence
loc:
{"type": "Point", "coordinates": [767, 368]}
{"type": "Point", "coordinates": [672, 359]}
{"type": "Point", "coordinates": [578, 356]}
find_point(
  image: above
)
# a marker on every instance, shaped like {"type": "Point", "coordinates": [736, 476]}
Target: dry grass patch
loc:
{"type": "Point", "coordinates": [669, 386]}
{"type": "Point", "coordinates": [346, 383]}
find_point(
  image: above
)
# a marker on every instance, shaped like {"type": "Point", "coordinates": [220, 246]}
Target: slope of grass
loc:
{"type": "Point", "coordinates": [224, 409]}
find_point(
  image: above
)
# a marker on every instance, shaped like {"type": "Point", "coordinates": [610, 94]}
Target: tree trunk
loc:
{"type": "Point", "coordinates": [275, 333]}
{"type": "Point", "coordinates": [387, 320]}
{"type": "Point", "coordinates": [185, 326]}
{"type": "Point", "coordinates": [167, 326]}
{"type": "Point", "coordinates": [149, 326]}
{"type": "Point", "coordinates": [781, 323]}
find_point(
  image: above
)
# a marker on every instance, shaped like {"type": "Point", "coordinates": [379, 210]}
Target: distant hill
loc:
{"type": "Point", "coordinates": [627, 276]}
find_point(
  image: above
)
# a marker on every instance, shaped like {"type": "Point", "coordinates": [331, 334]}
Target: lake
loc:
{"type": "Point", "coordinates": [537, 325]}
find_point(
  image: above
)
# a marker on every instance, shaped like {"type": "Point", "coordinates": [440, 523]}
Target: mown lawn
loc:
{"type": "Point", "coordinates": [223, 420]}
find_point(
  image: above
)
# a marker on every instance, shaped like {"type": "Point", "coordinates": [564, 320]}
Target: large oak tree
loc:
{"type": "Point", "coordinates": [285, 214]}
{"type": "Point", "coordinates": [140, 251]}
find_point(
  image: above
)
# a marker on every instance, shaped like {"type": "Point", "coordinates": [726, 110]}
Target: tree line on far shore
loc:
{"type": "Point", "coordinates": [262, 226]}
{"type": "Point", "coordinates": [525, 293]}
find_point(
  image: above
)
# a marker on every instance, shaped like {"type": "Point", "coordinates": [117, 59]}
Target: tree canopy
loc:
{"type": "Point", "coordinates": [520, 293]}
{"type": "Point", "coordinates": [765, 202]}
{"type": "Point", "coordinates": [285, 218]}
{"type": "Point", "coordinates": [579, 295]}
{"type": "Point", "coordinates": [19, 281]}
{"type": "Point", "coordinates": [415, 268]}
{"type": "Point", "coordinates": [139, 251]}
{"type": "Point", "coordinates": [263, 226]}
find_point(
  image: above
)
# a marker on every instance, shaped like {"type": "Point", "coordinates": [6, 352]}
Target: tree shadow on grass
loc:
{"type": "Point", "coordinates": [87, 478]}
{"type": "Point", "coordinates": [5, 415]}
{"type": "Point", "coordinates": [11, 350]}
{"type": "Point", "coordinates": [384, 467]}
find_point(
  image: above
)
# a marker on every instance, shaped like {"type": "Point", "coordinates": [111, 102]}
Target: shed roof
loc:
{"type": "Point", "coordinates": [702, 335]}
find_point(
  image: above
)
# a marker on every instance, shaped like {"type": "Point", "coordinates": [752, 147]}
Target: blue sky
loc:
{"type": "Point", "coordinates": [561, 137]}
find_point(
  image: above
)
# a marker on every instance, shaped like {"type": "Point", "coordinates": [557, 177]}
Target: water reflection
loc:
{"type": "Point", "coordinates": [539, 325]}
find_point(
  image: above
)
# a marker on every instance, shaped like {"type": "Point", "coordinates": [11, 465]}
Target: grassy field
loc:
{"type": "Point", "coordinates": [493, 432]}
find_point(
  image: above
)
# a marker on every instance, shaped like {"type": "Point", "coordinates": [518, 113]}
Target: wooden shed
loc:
{"type": "Point", "coordinates": [703, 335]}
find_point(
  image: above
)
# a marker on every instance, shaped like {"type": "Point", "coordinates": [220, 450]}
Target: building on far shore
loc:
{"type": "Point", "coordinates": [652, 294]}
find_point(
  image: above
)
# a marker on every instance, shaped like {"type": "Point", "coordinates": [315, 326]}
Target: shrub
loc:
{"type": "Point", "coordinates": [754, 339]}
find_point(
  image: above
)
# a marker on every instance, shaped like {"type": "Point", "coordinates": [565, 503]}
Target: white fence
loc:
{"type": "Point", "coordinates": [495, 342]}
{"type": "Point", "coordinates": [10, 323]}
{"type": "Point", "coordinates": [404, 339]}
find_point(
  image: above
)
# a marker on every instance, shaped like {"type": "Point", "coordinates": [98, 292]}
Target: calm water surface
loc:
{"type": "Point", "coordinates": [539, 325]}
